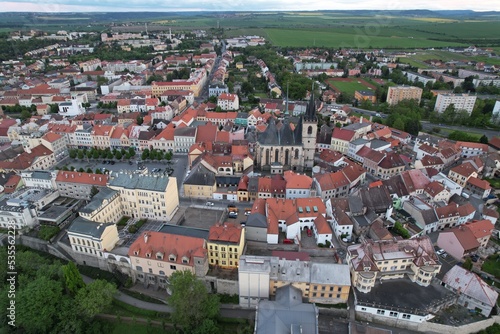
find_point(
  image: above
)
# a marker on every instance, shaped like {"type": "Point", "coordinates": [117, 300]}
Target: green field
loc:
{"type": "Point", "coordinates": [348, 87]}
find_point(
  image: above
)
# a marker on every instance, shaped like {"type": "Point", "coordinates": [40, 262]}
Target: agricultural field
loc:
{"type": "Point", "coordinates": [349, 85]}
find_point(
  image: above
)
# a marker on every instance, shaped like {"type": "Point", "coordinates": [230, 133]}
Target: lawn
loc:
{"type": "Point", "coordinates": [492, 265]}
{"type": "Point", "coordinates": [347, 86]}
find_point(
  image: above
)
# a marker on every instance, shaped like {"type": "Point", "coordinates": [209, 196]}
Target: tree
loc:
{"type": "Point", "coordinates": [483, 139]}
{"type": "Point", "coordinates": [399, 124]}
{"type": "Point", "coordinates": [25, 114]}
{"type": "Point", "coordinates": [95, 297]}
{"type": "Point", "coordinates": [192, 304]}
{"type": "Point", "coordinates": [145, 154]}
{"type": "Point", "coordinates": [80, 154]}
{"type": "Point", "coordinates": [37, 305]}
{"type": "Point", "coordinates": [94, 190]}
{"type": "Point", "coordinates": [467, 263]}
{"type": "Point", "coordinates": [72, 278]}
{"type": "Point", "coordinates": [89, 170]}
{"type": "Point", "coordinates": [81, 170]}
{"type": "Point", "coordinates": [131, 151]}
{"type": "Point", "coordinates": [139, 120]}
{"type": "Point", "coordinates": [118, 155]}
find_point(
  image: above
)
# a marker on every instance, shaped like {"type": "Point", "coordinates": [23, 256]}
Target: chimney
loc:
{"type": "Point", "coordinates": [361, 119]}
{"type": "Point", "coordinates": [146, 237]}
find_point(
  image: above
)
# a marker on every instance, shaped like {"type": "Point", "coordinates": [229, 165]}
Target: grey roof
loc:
{"type": "Point", "coordinates": [355, 126]}
{"type": "Point", "coordinates": [404, 296]}
{"type": "Point", "coordinates": [243, 115]}
{"type": "Point", "coordinates": [253, 184]}
{"type": "Point", "coordinates": [257, 220]}
{"type": "Point", "coordinates": [43, 175]}
{"type": "Point", "coordinates": [139, 181]}
{"type": "Point", "coordinates": [83, 226]}
{"type": "Point", "coordinates": [287, 314]}
{"type": "Point", "coordinates": [376, 198]}
{"type": "Point", "coordinates": [103, 194]}
{"type": "Point", "coordinates": [185, 231]}
{"type": "Point", "coordinates": [230, 180]}
{"type": "Point", "coordinates": [282, 136]}
{"type": "Point", "coordinates": [330, 273]}
{"type": "Point", "coordinates": [186, 132]}
{"type": "Point", "coordinates": [377, 143]}
{"type": "Point", "coordinates": [359, 141]}
{"type": "Point", "coordinates": [200, 175]}
{"type": "Point", "coordinates": [395, 185]}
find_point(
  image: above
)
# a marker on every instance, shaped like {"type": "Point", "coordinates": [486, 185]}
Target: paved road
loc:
{"type": "Point", "coordinates": [426, 126]}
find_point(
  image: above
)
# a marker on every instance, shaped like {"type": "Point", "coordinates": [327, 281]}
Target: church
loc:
{"type": "Point", "coordinates": [283, 146]}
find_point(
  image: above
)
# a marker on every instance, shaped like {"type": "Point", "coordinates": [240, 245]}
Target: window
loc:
{"type": "Point", "coordinates": [138, 268]}
{"type": "Point", "coordinates": [381, 312]}
{"type": "Point", "coordinates": [393, 314]}
{"type": "Point", "coordinates": [162, 273]}
{"type": "Point", "coordinates": [150, 270]}
{"type": "Point", "coordinates": [406, 316]}
{"type": "Point", "coordinates": [173, 267]}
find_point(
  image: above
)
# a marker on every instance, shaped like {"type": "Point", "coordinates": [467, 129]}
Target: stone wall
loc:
{"type": "Point", "coordinates": [41, 245]}
{"type": "Point", "coordinates": [219, 285]}
{"type": "Point", "coordinates": [429, 327]}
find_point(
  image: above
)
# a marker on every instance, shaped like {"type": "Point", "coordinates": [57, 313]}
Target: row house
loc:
{"type": "Point", "coordinates": [184, 138]}
{"type": "Point", "coordinates": [37, 158]}
{"type": "Point", "coordinates": [91, 238]}
{"type": "Point", "coordinates": [104, 207]}
{"type": "Point", "coordinates": [82, 137]}
{"type": "Point", "coordinates": [79, 185]}
{"type": "Point", "coordinates": [228, 101]}
{"type": "Point", "coordinates": [155, 256]}
{"type": "Point", "coordinates": [332, 185]}
{"type": "Point", "coordinates": [119, 138]}
{"type": "Point", "coordinates": [479, 187]}
{"type": "Point", "coordinates": [101, 135]}
{"type": "Point", "coordinates": [462, 173]}
{"type": "Point", "coordinates": [225, 245]}
{"type": "Point", "coordinates": [469, 149]}
{"type": "Point", "coordinates": [341, 138]}
{"type": "Point", "coordinates": [164, 141]}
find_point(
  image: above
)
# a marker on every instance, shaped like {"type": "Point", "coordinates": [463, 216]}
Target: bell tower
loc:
{"type": "Point", "coordinates": [309, 132]}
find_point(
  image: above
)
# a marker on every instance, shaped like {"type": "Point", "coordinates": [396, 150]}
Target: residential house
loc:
{"type": "Point", "coordinates": [79, 185]}
{"type": "Point", "coordinates": [104, 207]}
{"type": "Point", "coordinates": [228, 101]}
{"type": "Point", "coordinates": [297, 185]}
{"type": "Point", "coordinates": [482, 230]}
{"type": "Point", "coordinates": [200, 183]}
{"type": "Point", "coordinates": [225, 246]}
{"type": "Point", "coordinates": [155, 256]}
{"type": "Point", "coordinates": [91, 238]}
{"type": "Point", "coordinates": [461, 173]}
{"type": "Point", "coordinates": [479, 187]}
{"type": "Point", "coordinates": [473, 292]}
{"type": "Point", "coordinates": [458, 242]}
{"type": "Point", "coordinates": [341, 138]}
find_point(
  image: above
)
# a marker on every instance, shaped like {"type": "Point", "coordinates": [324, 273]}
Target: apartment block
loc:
{"type": "Point", "coordinates": [90, 238]}
{"type": "Point", "coordinates": [397, 94]}
{"type": "Point", "coordinates": [460, 102]}
{"type": "Point", "coordinates": [225, 245]}
{"type": "Point", "coordinates": [79, 185]}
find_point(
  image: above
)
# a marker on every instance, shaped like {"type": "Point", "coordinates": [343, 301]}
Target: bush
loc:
{"type": "Point", "coordinates": [132, 229]}
{"type": "Point", "coordinates": [328, 243]}
{"type": "Point", "coordinates": [47, 232]}
{"type": "Point", "coordinates": [400, 230]}
{"type": "Point", "coordinates": [321, 245]}
{"type": "Point", "coordinates": [140, 223]}
{"type": "Point", "coordinates": [123, 221]}
{"type": "Point", "coordinates": [225, 298]}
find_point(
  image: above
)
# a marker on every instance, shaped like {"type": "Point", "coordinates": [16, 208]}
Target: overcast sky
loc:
{"type": "Point", "coordinates": [238, 5]}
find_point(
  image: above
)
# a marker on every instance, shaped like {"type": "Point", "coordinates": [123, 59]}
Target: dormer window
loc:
{"type": "Point", "coordinates": [136, 253]}
{"type": "Point", "coordinates": [172, 257]}
{"type": "Point", "coordinates": [159, 256]}
{"type": "Point", "coordinates": [185, 260]}
{"type": "Point", "coordinates": [148, 254]}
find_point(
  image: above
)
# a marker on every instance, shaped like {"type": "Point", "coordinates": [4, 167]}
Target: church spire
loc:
{"type": "Point", "coordinates": [311, 108]}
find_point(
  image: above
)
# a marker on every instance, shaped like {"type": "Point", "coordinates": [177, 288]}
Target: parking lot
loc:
{"type": "Point", "coordinates": [205, 217]}
{"type": "Point", "coordinates": [178, 164]}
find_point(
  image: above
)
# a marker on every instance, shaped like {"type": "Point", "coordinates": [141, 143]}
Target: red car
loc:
{"type": "Point", "coordinates": [309, 232]}
{"type": "Point", "coordinates": [288, 241]}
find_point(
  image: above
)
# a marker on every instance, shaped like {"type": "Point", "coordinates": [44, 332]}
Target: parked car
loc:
{"type": "Point", "coordinates": [232, 215]}
{"type": "Point", "coordinates": [112, 162]}
{"type": "Point", "coordinates": [231, 206]}
{"type": "Point", "coordinates": [209, 204]}
{"type": "Point", "coordinates": [440, 251]}
{"type": "Point", "coordinates": [309, 232]}
{"type": "Point", "coordinates": [105, 162]}
{"type": "Point", "coordinates": [474, 258]}
{"type": "Point", "coordinates": [288, 241]}
{"type": "Point", "coordinates": [248, 211]}
{"type": "Point", "coordinates": [130, 162]}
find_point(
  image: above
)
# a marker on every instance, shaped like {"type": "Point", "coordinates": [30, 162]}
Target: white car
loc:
{"type": "Point", "coordinates": [209, 204]}
{"type": "Point", "coordinates": [441, 253]}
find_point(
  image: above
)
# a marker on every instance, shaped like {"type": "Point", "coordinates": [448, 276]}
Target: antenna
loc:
{"type": "Point", "coordinates": [146, 24]}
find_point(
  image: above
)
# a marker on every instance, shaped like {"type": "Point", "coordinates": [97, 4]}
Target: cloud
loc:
{"type": "Point", "coordinates": [237, 5]}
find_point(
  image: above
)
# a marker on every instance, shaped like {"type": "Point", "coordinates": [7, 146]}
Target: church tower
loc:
{"type": "Point", "coordinates": [309, 132]}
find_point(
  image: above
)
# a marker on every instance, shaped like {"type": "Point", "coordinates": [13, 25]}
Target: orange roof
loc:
{"type": "Point", "coordinates": [226, 96]}
{"type": "Point", "coordinates": [322, 225]}
{"type": "Point", "coordinates": [343, 134]}
{"type": "Point", "coordinates": [480, 228]}
{"type": "Point", "coordinates": [297, 181]}
{"type": "Point", "coordinates": [482, 184]}
{"type": "Point", "coordinates": [82, 178]}
{"type": "Point", "coordinates": [102, 130]}
{"type": "Point", "coordinates": [164, 245]}
{"type": "Point", "coordinates": [434, 188]}
{"type": "Point", "coordinates": [332, 180]}
{"type": "Point", "coordinates": [51, 137]}
{"type": "Point", "coordinates": [206, 132]}
{"type": "Point", "coordinates": [465, 169]}
{"type": "Point", "coordinates": [465, 237]}
{"type": "Point", "coordinates": [466, 209]}
{"type": "Point", "coordinates": [223, 136]}
{"type": "Point", "coordinates": [11, 185]}
{"type": "Point", "coordinates": [465, 144]}
{"type": "Point", "coordinates": [227, 232]}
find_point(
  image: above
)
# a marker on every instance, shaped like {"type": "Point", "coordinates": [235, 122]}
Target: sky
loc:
{"type": "Point", "coordinates": [237, 5]}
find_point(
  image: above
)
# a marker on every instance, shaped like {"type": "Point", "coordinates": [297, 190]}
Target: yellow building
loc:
{"type": "Point", "coordinates": [105, 207]}
{"type": "Point", "coordinates": [225, 245]}
{"type": "Point", "coordinates": [396, 94]}
{"type": "Point", "coordinates": [326, 283]}
{"type": "Point", "coordinates": [389, 259]}
{"type": "Point", "coordinates": [200, 183]}
{"type": "Point", "coordinates": [147, 196]}
{"type": "Point", "coordinates": [92, 238]}
{"type": "Point", "coordinates": [154, 256]}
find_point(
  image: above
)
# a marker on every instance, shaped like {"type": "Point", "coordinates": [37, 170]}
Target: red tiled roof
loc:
{"type": "Point", "coordinates": [83, 178]}
{"type": "Point", "coordinates": [343, 134]}
{"type": "Point", "coordinates": [322, 225]}
{"type": "Point", "coordinates": [480, 228]}
{"type": "Point", "coordinates": [482, 184]}
{"type": "Point", "coordinates": [51, 137]}
{"type": "Point", "coordinates": [164, 244]}
{"type": "Point", "coordinates": [227, 232]}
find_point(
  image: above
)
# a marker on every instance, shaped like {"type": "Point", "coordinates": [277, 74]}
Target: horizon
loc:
{"type": "Point", "coordinates": [187, 6]}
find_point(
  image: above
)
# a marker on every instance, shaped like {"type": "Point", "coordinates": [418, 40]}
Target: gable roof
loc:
{"type": "Point", "coordinates": [470, 285]}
